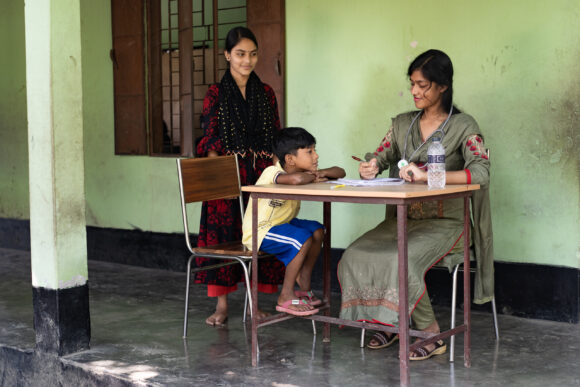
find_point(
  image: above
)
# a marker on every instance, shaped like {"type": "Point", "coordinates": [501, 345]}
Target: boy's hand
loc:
{"type": "Point", "coordinates": [319, 176]}
{"type": "Point", "coordinates": [296, 178]}
{"type": "Point", "coordinates": [305, 177]}
{"type": "Point", "coordinates": [330, 173]}
{"type": "Point", "coordinates": [320, 180]}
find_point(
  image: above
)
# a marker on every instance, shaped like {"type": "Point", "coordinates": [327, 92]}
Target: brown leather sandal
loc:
{"type": "Point", "coordinates": [383, 339]}
{"type": "Point", "coordinates": [422, 354]}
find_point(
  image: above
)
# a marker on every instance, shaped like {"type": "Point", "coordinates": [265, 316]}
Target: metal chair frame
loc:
{"type": "Point", "coordinates": [453, 312]}
{"type": "Point", "coordinates": [225, 185]}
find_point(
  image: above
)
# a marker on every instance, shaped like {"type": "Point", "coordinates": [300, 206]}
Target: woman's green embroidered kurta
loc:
{"type": "Point", "coordinates": [368, 268]}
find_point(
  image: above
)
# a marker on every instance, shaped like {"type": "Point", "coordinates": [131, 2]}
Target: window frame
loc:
{"type": "Point", "coordinates": [137, 77]}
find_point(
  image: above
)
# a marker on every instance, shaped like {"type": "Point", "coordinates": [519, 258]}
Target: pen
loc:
{"type": "Point", "coordinates": [337, 186]}
{"type": "Point", "coordinates": [356, 158]}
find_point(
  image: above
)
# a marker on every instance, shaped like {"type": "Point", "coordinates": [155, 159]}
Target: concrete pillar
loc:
{"type": "Point", "coordinates": [56, 173]}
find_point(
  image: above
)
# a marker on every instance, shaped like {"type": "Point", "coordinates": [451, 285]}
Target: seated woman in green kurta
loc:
{"type": "Point", "coordinates": [368, 268]}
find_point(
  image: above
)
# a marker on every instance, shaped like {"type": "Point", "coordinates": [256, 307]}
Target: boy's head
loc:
{"type": "Point", "coordinates": [288, 141]}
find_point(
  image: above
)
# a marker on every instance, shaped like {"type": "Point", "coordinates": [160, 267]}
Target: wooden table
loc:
{"type": "Point", "coordinates": [399, 195]}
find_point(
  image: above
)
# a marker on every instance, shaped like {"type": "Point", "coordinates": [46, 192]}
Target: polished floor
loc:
{"type": "Point", "coordinates": [137, 314]}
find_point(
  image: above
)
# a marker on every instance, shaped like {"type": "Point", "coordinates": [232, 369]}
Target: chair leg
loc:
{"type": "Point", "coordinates": [245, 307]}
{"type": "Point", "coordinates": [362, 338]}
{"type": "Point", "coordinates": [313, 328]}
{"type": "Point", "coordinates": [453, 313]}
{"type": "Point", "coordinates": [248, 290]}
{"type": "Point", "coordinates": [187, 296]}
{"type": "Point", "coordinates": [246, 297]}
{"type": "Point", "coordinates": [495, 325]}
{"type": "Point", "coordinates": [248, 293]}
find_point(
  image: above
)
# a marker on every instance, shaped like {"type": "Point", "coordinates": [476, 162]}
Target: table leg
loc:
{"type": "Point", "coordinates": [254, 280]}
{"type": "Point", "coordinates": [326, 269]}
{"type": "Point", "coordinates": [403, 295]}
{"type": "Point", "coordinates": [466, 285]}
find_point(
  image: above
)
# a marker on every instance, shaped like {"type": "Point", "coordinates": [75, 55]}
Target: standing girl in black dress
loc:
{"type": "Point", "coordinates": [240, 116]}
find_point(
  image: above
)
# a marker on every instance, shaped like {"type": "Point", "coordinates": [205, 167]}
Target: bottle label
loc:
{"type": "Point", "coordinates": [436, 159]}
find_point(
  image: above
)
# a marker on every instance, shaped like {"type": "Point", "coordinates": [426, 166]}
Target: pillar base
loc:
{"type": "Point", "coordinates": [61, 319]}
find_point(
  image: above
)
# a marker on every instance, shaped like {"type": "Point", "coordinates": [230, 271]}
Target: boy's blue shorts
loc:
{"type": "Point", "coordinates": [285, 240]}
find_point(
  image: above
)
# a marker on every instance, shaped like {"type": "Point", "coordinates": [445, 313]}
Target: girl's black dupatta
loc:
{"type": "Point", "coordinates": [245, 125]}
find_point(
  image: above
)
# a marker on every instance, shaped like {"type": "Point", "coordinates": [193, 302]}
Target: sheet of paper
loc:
{"type": "Point", "coordinates": [368, 183]}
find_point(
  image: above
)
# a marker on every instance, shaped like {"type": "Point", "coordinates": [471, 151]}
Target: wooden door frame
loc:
{"type": "Point", "coordinates": [267, 20]}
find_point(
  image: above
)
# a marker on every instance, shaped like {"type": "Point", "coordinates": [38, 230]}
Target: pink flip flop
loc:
{"type": "Point", "coordinates": [308, 296]}
{"type": "Point", "coordinates": [284, 308]}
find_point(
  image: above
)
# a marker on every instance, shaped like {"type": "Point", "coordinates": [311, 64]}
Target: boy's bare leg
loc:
{"type": "Point", "coordinates": [292, 271]}
{"type": "Point", "coordinates": [305, 276]}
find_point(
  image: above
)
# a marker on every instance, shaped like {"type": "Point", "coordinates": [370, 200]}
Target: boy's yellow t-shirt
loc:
{"type": "Point", "coordinates": [271, 212]}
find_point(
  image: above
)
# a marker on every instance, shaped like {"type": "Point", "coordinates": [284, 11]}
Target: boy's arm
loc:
{"type": "Point", "coordinates": [299, 178]}
{"type": "Point", "coordinates": [295, 178]}
{"type": "Point", "coordinates": [331, 173]}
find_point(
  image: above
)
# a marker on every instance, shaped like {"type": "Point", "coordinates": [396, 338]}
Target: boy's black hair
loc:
{"type": "Point", "coordinates": [289, 140]}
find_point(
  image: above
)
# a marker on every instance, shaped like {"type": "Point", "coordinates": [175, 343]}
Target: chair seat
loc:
{"type": "Point", "coordinates": [213, 178]}
{"type": "Point", "coordinates": [234, 249]}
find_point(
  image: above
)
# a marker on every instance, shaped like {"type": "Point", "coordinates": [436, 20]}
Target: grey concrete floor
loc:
{"type": "Point", "coordinates": [137, 316]}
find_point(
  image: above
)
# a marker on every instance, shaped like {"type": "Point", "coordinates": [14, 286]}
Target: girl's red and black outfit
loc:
{"type": "Point", "coordinates": [244, 127]}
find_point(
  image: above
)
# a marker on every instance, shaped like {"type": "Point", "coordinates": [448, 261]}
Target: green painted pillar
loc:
{"type": "Point", "coordinates": [56, 175]}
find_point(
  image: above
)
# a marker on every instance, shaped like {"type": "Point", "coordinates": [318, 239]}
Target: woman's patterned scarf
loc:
{"type": "Point", "coordinates": [245, 125]}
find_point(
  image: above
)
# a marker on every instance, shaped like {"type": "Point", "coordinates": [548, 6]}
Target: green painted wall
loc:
{"type": "Point", "coordinates": [516, 72]}
{"type": "Point", "coordinates": [13, 121]}
{"type": "Point", "coordinates": [122, 191]}
{"type": "Point", "coordinates": [346, 61]}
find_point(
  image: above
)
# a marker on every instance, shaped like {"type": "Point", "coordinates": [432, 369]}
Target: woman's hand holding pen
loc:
{"type": "Point", "coordinates": [368, 170]}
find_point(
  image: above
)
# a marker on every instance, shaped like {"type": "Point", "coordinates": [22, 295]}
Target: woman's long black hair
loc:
{"type": "Point", "coordinates": [436, 66]}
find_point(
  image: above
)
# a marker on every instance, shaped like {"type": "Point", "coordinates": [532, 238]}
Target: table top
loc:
{"type": "Point", "coordinates": [402, 191]}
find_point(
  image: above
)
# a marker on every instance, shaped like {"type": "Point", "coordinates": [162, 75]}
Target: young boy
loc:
{"type": "Point", "coordinates": [295, 242]}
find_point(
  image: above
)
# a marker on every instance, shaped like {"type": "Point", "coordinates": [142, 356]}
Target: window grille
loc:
{"type": "Point", "coordinates": [209, 20]}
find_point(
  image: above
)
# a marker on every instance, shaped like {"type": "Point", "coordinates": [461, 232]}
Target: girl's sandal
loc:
{"type": "Point", "coordinates": [422, 354]}
{"type": "Point", "coordinates": [383, 340]}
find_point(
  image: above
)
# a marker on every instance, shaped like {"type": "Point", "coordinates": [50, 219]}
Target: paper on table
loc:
{"type": "Point", "coordinates": [369, 183]}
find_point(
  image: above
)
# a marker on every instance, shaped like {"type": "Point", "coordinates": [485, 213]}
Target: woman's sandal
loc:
{"type": "Point", "coordinates": [308, 296]}
{"type": "Point", "coordinates": [384, 340]}
{"type": "Point", "coordinates": [422, 354]}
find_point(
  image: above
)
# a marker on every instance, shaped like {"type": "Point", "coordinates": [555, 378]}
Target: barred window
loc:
{"type": "Point", "coordinates": [165, 55]}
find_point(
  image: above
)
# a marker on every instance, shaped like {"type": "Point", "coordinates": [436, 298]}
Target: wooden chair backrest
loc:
{"type": "Point", "coordinates": [209, 178]}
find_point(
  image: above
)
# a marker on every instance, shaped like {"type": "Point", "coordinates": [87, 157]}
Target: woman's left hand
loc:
{"type": "Point", "coordinates": [412, 173]}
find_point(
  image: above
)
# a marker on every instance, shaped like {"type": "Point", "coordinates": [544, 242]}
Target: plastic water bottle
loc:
{"type": "Point", "coordinates": [436, 167]}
